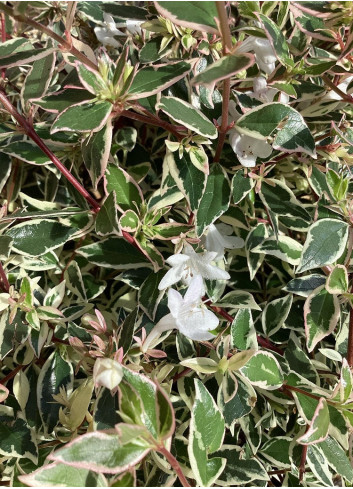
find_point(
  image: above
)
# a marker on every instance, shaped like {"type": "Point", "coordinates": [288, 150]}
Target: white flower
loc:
{"type": "Point", "coordinates": [218, 237]}
{"type": "Point", "coordinates": [247, 148]}
{"type": "Point", "coordinates": [106, 35]}
{"type": "Point", "coordinates": [188, 264]}
{"type": "Point", "coordinates": [107, 373]}
{"type": "Point", "coordinates": [264, 93]}
{"type": "Point", "coordinates": [264, 53]}
{"type": "Point", "coordinates": [187, 314]}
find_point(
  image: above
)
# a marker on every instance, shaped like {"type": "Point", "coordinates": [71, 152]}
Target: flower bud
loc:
{"type": "Point", "coordinates": [107, 373]}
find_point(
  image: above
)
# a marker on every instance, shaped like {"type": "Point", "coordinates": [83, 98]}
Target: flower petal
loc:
{"type": "Point", "coordinates": [195, 291]}
{"type": "Point", "coordinates": [197, 324]}
{"type": "Point", "coordinates": [175, 302]}
{"type": "Point", "coordinates": [171, 277]}
{"type": "Point", "coordinates": [166, 323]}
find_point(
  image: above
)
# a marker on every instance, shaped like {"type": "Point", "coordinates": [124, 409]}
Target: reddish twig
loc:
{"type": "Point", "coordinates": [11, 374]}
{"type": "Point", "coordinates": [154, 121]}
{"type": "Point", "coordinates": [28, 129]}
{"type": "Point", "coordinates": [4, 280]}
{"type": "Point", "coordinates": [227, 46]}
{"type": "Point", "coordinates": [350, 337]}
{"type": "Point", "coordinates": [3, 39]}
{"type": "Point", "coordinates": [64, 44]}
{"type": "Point", "coordinates": [303, 462]}
{"type": "Point", "coordinates": [339, 92]}
{"type": "Point", "coordinates": [175, 465]}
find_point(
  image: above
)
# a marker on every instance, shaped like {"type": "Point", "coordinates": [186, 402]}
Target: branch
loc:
{"type": "Point", "coordinates": [28, 129]}
{"type": "Point", "coordinates": [154, 121]}
{"type": "Point", "coordinates": [227, 46]}
{"type": "Point", "coordinates": [3, 279]}
{"type": "Point", "coordinates": [339, 92]}
{"type": "Point", "coordinates": [175, 465]}
{"type": "Point", "coordinates": [64, 44]}
{"type": "Point", "coordinates": [350, 337]}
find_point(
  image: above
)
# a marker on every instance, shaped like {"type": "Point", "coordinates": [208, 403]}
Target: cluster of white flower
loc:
{"type": "Point", "coordinates": [188, 314]}
{"type": "Point", "coordinates": [106, 35]}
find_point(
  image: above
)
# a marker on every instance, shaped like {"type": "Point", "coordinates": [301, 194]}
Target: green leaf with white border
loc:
{"type": "Point", "coordinates": [239, 471]}
{"type": "Point", "coordinates": [83, 117]}
{"type": "Point", "coordinates": [59, 101]}
{"type": "Point", "coordinates": [293, 134]}
{"type": "Point", "coordinates": [62, 475]}
{"type": "Point", "coordinates": [195, 15]}
{"type": "Point", "coordinates": [319, 425]}
{"type": "Point", "coordinates": [264, 371]}
{"type": "Point", "coordinates": [321, 315]}
{"type": "Point", "coordinates": [96, 151]}
{"type": "Point", "coordinates": [25, 57]}
{"type": "Point", "coordinates": [152, 80]}
{"type": "Point", "coordinates": [104, 452]}
{"type": "Point", "coordinates": [113, 252]}
{"type": "Point", "coordinates": [285, 248]}
{"type": "Point", "coordinates": [39, 236]}
{"type": "Point", "coordinates": [14, 45]}
{"type": "Point", "coordinates": [277, 40]}
{"type": "Point", "coordinates": [206, 436]}
{"type": "Point", "coordinates": [242, 331]}
{"type": "Point", "coordinates": [337, 281]}
{"type": "Point", "coordinates": [149, 295]}
{"type": "Point", "coordinates": [215, 198]}
{"type": "Point", "coordinates": [319, 248]}
{"type": "Point", "coordinates": [276, 451]}
{"type": "Point", "coordinates": [275, 314]}
{"type": "Point", "coordinates": [239, 299]}
{"type": "Point", "coordinates": [126, 189]}
{"type": "Point", "coordinates": [18, 441]}
{"type": "Point", "coordinates": [38, 78]}
{"type": "Point", "coordinates": [190, 181]}
{"type": "Point", "coordinates": [27, 151]}
{"type": "Point", "coordinates": [318, 463]}
{"type": "Point", "coordinates": [304, 286]}
{"type": "Point", "coordinates": [187, 115]}
{"type": "Point", "coordinates": [256, 236]}
{"type": "Point", "coordinates": [223, 68]}
{"type": "Point", "coordinates": [74, 282]}
{"type": "Point", "coordinates": [91, 80]}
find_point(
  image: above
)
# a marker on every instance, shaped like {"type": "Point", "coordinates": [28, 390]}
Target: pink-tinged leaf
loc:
{"type": "Point", "coordinates": [200, 16]}
{"type": "Point", "coordinates": [103, 452]}
{"type": "Point", "coordinates": [310, 11]}
{"type": "Point", "coordinates": [319, 425]}
{"type": "Point", "coordinates": [155, 79]}
{"type": "Point", "coordinates": [4, 392]}
{"type": "Point", "coordinates": [24, 57]}
{"type": "Point", "coordinates": [90, 79]}
{"type": "Point", "coordinates": [304, 21]}
{"type": "Point", "coordinates": [165, 414]}
{"type": "Point", "coordinates": [61, 100]}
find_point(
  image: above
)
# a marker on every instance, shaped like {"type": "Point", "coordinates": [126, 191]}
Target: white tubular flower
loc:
{"type": "Point", "coordinates": [343, 87]}
{"type": "Point", "coordinates": [264, 93]}
{"type": "Point", "coordinates": [107, 373]}
{"type": "Point", "coordinates": [247, 148]}
{"type": "Point", "coordinates": [106, 34]}
{"type": "Point", "coordinates": [218, 238]}
{"type": "Point", "coordinates": [187, 314]}
{"type": "Point", "coordinates": [188, 264]}
{"type": "Point", "coordinates": [264, 53]}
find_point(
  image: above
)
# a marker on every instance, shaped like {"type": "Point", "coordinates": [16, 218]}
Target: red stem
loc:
{"type": "Point", "coordinates": [11, 374]}
{"type": "Point", "coordinates": [3, 279]}
{"type": "Point", "coordinates": [154, 121]}
{"type": "Point", "coordinates": [3, 39]}
{"type": "Point", "coordinates": [175, 465]}
{"type": "Point", "coordinates": [28, 129]}
{"type": "Point", "coordinates": [350, 337]}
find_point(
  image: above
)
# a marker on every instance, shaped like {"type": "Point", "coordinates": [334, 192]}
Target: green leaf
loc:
{"type": "Point", "coordinates": [27, 151]}
{"type": "Point", "coordinates": [319, 466]}
{"type": "Point", "coordinates": [293, 134]}
{"type": "Point", "coordinates": [304, 286]}
{"type": "Point", "coordinates": [242, 331]}
{"type": "Point", "coordinates": [240, 404]}
{"type": "Point", "coordinates": [83, 117]}
{"type": "Point", "coordinates": [127, 331]}
{"type": "Point", "coordinates": [256, 236]}
{"type": "Point", "coordinates": [90, 79]}
{"type": "Point", "coordinates": [165, 413]}
{"type": "Point", "coordinates": [223, 68]}
{"type": "Point", "coordinates": [102, 452]}
{"type": "Point", "coordinates": [59, 101]}
{"type": "Point", "coordinates": [152, 80]}
{"type": "Point", "coordinates": [39, 236]}
{"type": "Point", "coordinates": [128, 193]}
{"type": "Point", "coordinates": [319, 248]}
{"type": "Point", "coordinates": [263, 371]}
{"type": "Point", "coordinates": [184, 113]}
{"type": "Point", "coordinates": [276, 451]}
{"type": "Point", "coordinates": [241, 186]}
{"type": "Point", "coordinates": [337, 281]}
{"type": "Point", "coordinates": [215, 198]}
{"type": "Point", "coordinates": [96, 151]}
{"type": "Point", "coordinates": [239, 299]}
{"type": "Point", "coordinates": [277, 40]}
{"type": "Point", "coordinates": [149, 295]}
{"type": "Point", "coordinates": [39, 78]}
{"type": "Point", "coordinates": [107, 217]}
{"type": "Point", "coordinates": [18, 441]}
{"type": "Point", "coordinates": [57, 474]}
{"type": "Point", "coordinates": [196, 15]}
{"type": "Point", "coordinates": [206, 436]}
{"type": "Point", "coordinates": [14, 45]}
{"type": "Point", "coordinates": [321, 314]}
{"type": "Point", "coordinates": [240, 471]}
{"type": "Point", "coordinates": [275, 314]}
{"type": "Point", "coordinates": [337, 458]}
{"type": "Point", "coordinates": [74, 282]}
{"type": "Point", "coordinates": [285, 248]}
{"type": "Point", "coordinates": [113, 253]}
{"type": "Point", "coordinates": [55, 373]}
{"type": "Point", "coordinates": [319, 425]}
{"type": "Point", "coordinates": [190, 181]}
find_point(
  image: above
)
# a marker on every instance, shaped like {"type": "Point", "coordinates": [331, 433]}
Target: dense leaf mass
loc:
{"type": "Point", "coordinates": [176, 244]}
